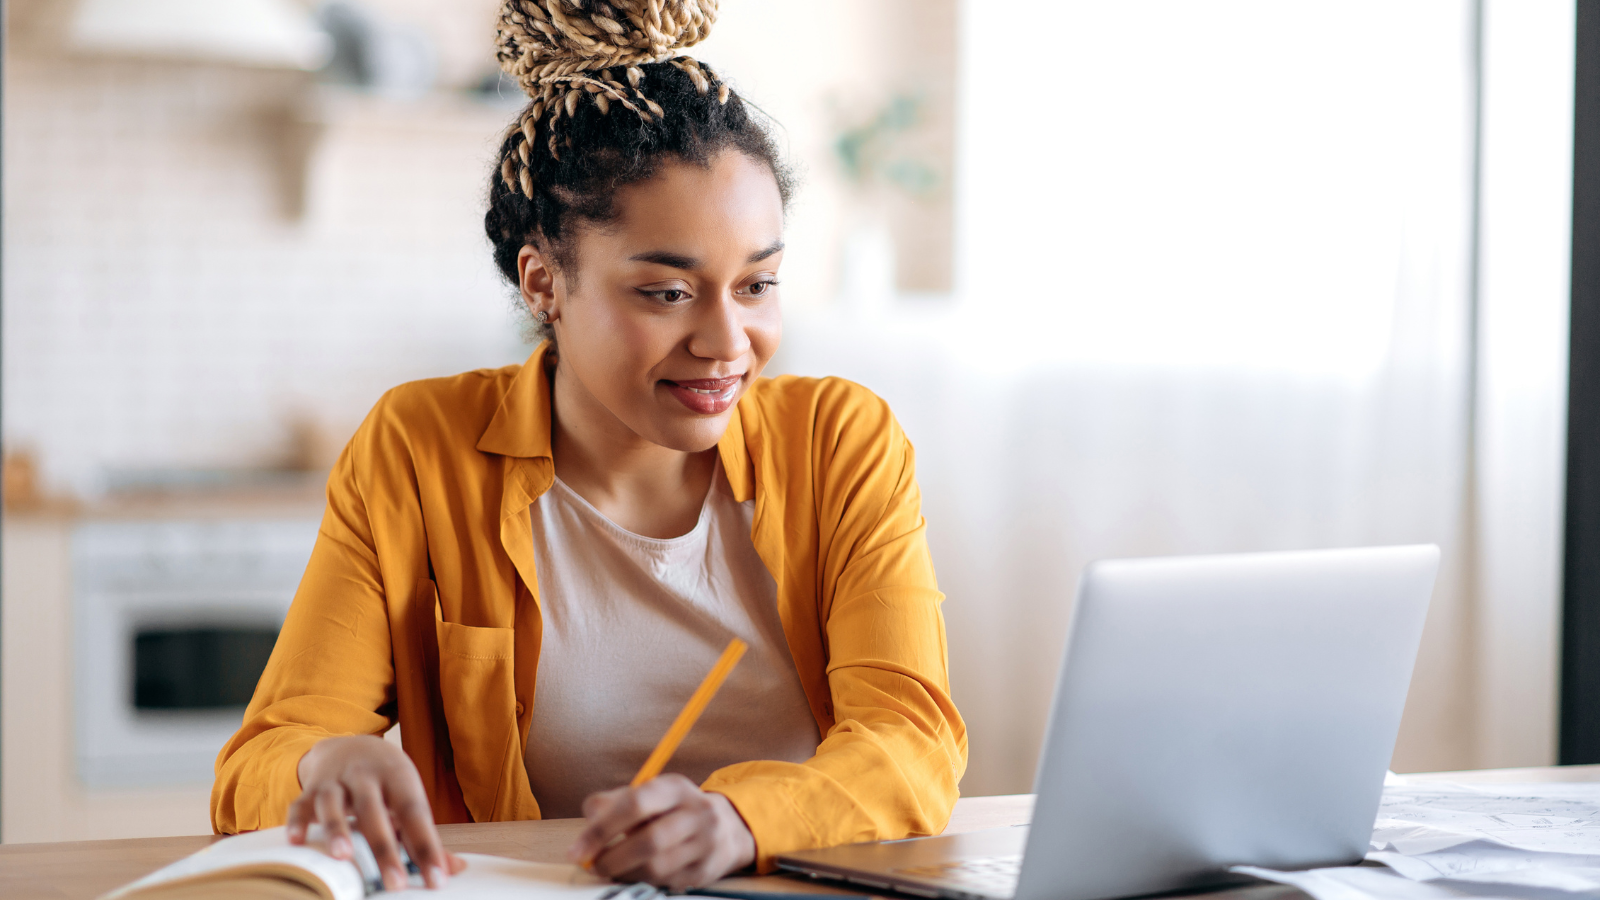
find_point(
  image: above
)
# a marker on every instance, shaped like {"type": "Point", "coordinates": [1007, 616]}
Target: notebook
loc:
{"type": "Point", "coordinates": [263, 864]}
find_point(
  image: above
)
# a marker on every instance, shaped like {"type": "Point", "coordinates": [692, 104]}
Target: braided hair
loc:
{"type": "Point", "coordinates": [610, 100]}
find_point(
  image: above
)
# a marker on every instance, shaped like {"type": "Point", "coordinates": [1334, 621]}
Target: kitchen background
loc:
{"type": "Point", "coordinates": [1138, 278]}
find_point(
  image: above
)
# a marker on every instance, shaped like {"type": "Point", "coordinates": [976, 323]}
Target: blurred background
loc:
{"type": "Point", "coordinates": [1139, 278]}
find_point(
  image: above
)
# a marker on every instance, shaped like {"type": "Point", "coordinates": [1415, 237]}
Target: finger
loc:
{"type": "Point", "coordinates": [635, 850]}
{"type": "Point", "coordinates": [700, 860]}
{"type": "Point", "coordinates": [330, 806]}
{"type": "Point", "coordinates": [373, 821]}
{"type": "Point", "coordinates": [591, 839]}
{"type": "Point", "coordinates": [678, 865]}
{"type": "Point", "coordinates": [654, 851]}
{"type": "Point", "coordinates": [694, 873]}
{"type": "Point", "coordinates": [415, 820]}
{"type": "Point", "coordinates": [456, 864]}
{"type": "Point", "coordinates": [302, 812]}
{"type": "Point", "coordinates": [614, 813]}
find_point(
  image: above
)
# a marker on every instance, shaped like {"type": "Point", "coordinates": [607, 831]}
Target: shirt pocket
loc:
{"type": "Point", "coordinates": [477, 687]}
{"type": "Point", "coordinates": [470, 643]}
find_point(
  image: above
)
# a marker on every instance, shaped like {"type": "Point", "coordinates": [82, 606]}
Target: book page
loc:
{"type": "Point", "coordinates": [498, 878]}
{"type": "Point", "coordinates": [269, 855]}
{"type": "Point", "coordinates": [267, 852]}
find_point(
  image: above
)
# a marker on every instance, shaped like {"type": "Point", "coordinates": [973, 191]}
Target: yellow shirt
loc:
{"type": "Point", "coordinates": [420, 605]}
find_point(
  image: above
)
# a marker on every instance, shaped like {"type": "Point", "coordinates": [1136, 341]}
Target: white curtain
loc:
{"type": "Point", "coordinates": [1214, 294]}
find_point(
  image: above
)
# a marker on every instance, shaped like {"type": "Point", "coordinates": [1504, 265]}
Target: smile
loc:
{"type": "Point", "coordinates": [705, 396]}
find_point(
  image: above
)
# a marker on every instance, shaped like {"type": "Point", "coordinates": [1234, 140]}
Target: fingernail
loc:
{"type": "Point", "coordinates": [296, 833]}
{"type": "Point", "coordinates": [340, 847]}
{"type": "Point", "coordinates": [395, 878]}
{"type": "Point", "coordinates": [437, 877]}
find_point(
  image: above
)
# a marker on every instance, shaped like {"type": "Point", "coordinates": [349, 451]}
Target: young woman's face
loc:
{"type": "Point", "coordinates": [669, 313]}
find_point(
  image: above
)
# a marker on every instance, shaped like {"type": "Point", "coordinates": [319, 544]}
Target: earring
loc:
{"type": "Point", "coordinates": [542, 316]}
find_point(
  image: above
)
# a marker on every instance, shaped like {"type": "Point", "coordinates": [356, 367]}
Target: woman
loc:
{"type": "Point", "coordinates": [529, 569]}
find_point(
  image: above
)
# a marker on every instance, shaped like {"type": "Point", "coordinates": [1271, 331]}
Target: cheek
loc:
{"type": "Point", "coordinates": [635, 340]}
{"type": "Point", "coordinates": [620, 338]}
{"type": "Point", "coordinates": [765, 331]}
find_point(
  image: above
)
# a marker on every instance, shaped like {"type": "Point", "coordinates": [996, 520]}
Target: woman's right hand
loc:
{"type": "Point", "coordinates": [374, 780]}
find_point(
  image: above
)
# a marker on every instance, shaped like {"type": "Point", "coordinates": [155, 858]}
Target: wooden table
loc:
{"type": "Point", "coordinates": [86, 869]}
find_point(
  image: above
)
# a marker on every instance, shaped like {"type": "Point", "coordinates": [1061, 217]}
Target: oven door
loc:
{"type": "Point", "coordinates": [173, 624]}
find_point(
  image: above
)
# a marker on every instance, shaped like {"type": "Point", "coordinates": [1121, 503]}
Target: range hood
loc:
{"type": "Point", "coordinates": [266, 33]}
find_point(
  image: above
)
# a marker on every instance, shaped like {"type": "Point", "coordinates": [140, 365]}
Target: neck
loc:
{"type": "Point", "coordinates": [642, 486]}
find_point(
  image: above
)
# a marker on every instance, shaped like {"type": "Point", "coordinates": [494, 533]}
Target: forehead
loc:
{"type": "Point", "coordinates": [732, 200]}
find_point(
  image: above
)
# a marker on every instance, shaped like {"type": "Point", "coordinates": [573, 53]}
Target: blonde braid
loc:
{"type": "Point", "coordinates": [563, 51]}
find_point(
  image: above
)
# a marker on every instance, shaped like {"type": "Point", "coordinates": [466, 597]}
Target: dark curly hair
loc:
{"type": "Point", "coordinates": [592, 128]}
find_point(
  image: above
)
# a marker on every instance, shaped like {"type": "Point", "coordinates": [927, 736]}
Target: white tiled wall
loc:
{"type": "Point", "coordinates": [173, 298]}
{"type": "Point", "coordinates": [166, 305]}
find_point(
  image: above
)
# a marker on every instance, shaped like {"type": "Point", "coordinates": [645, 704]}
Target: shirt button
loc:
{"type": "Point", "coordinates": [519, 709]}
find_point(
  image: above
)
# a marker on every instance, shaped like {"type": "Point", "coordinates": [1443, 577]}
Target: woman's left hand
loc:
{"type": "Point", "coordinates": [668, 832]}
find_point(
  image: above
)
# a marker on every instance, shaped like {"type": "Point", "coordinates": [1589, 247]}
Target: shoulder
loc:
{"type": "Point", "coordinates": [791, 403]}
{"type": "Point", "coordinates": [452, 410]}
{"type": "Point", "coordinates": [838, 424]}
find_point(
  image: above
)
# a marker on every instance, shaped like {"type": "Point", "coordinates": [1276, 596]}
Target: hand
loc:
{"type": "Point", "coordinates": [376, 781]}
{"type": "Point", "coordinates": [667, 831]}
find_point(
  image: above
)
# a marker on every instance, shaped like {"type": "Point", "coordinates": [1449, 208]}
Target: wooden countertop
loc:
{"type": "Point", "coordinates": [290, 496]}
{"type": "Point", "coordinates": [86, 869]}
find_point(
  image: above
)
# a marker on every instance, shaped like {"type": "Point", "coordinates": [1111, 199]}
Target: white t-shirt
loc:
{"type": "Point", "coordinates": [631, 626]}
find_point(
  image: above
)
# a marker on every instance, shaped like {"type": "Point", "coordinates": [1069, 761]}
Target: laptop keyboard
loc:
{"type": "Point", "coordinates": [995, 875]}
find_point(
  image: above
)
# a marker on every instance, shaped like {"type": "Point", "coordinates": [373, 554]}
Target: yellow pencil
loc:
{"type": "Point", "coordinates": [657, 760]}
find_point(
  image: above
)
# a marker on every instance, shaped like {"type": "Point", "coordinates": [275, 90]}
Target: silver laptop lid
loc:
{"type": "Point", "coordinates": [1220, 710]}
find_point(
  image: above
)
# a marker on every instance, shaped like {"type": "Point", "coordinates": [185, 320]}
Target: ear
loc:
{"type": "Point", "coordinates": [536, 275]}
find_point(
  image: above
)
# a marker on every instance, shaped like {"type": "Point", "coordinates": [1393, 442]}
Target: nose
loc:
{"type": "Point", "coordinates": [719, 332]}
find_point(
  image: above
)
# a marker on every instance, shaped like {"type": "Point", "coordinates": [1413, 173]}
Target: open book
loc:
{"type": "Point", "coordinates": [263, 864]}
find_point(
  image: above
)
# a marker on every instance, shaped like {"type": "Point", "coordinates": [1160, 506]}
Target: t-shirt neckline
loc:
{"type": "Point", "coordinates": [698, 532]}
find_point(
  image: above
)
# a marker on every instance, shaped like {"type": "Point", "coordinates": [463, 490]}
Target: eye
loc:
{"type": "Point", "coordinates": [761, 288]}
{"type": "Point", "coordinates": [670, 295]}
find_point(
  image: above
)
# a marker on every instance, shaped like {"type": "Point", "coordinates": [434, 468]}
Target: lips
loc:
{"type": "Point", "coordinates": [705, 396]}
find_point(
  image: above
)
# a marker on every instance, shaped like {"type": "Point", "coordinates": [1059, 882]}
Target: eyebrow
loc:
{"type": "Point", "coordinates": [663, 258]}
{"type": "Point", "coordinates": [759, 255]}
{"type": "Point", "coordinates": [689, 263]}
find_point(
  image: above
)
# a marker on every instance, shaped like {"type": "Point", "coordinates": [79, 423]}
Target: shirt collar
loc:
{"type": "Point", "coordinates": [521, 425]}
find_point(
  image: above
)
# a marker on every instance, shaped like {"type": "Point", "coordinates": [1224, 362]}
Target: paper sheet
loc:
{"type": "Point", "coordinates": [1368, 883]}
{"type": "Point", "coordinates": [1480, 861]}
{"type": "Point", "coordinates": [1551, 818]}
{"type": "Point", "coordinates": [1446, 841]}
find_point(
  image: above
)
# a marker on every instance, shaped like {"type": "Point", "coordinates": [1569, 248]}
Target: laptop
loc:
{"type": "Point", "coordinates": [1211, 711]}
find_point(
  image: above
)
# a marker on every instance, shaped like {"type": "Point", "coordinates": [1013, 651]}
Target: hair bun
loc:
{"type": "Point", "coordinates": [541, 39]}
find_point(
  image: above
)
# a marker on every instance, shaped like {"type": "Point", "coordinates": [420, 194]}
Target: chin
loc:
{"type": "Point", "coordinates": [694, 435]}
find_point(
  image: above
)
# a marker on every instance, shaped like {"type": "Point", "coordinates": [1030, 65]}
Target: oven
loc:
{"type": "Point", "coordinates": [173, 621]}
